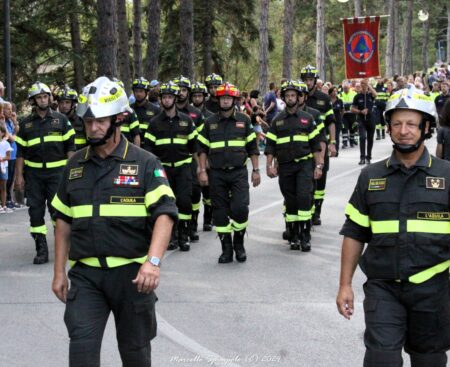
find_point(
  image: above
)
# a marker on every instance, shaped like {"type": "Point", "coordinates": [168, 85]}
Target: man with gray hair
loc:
{"type": "Point", "coordinates": [2, 92]}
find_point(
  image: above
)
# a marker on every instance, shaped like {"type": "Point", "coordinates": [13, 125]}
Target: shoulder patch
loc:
{"type": "Point", "coordinates": [184, 123]}
{"type": "Point", "coordinates": [160, 173]}
{"type": "Point", "coordinates": [435, 183]}
{"type": "Point", "coordinates": [377, 184]}
{"type": "Point", "coordinates": [76, 173]}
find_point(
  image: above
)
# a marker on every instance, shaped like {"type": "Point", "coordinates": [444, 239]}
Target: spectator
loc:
{"type": "Point", "coordinates": [246, 103]}
{"type": "Point", "coordinates": [338, 109]}
{"type": "Point", "coordinates": [2, 92]}
{"type": "Point", "coordinates": [258, 123]}
{"type": "Point", "coordinates": [280, 103]}
{"type": "Point", "coordinates": [443, 136]}
{"type": "Point", "coordinates": [319, 84]}
{"type": "Point", "coordinates": [5, 153]}
{"type": "Point", "coordinates": [270, 103]}
{"type": "Point", "coordinates": [254, 95]}
{"type": "Point", "coordinates": [12, 126]}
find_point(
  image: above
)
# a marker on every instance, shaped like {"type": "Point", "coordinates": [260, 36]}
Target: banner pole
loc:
{"type": "Point", "coordinates": [368, 16]}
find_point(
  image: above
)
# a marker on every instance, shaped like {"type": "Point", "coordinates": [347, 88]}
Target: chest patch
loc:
{"type": "Point", "coordinates": [76, 173]}
{"type": "Point", "coordinates": [304, 121]}
{"type": "Point", "coordinates": [126, 181]}
{"type": "Point", "coordinates": [213, 127]}
{"type": "Point", "coordinates": [184, 123]}
{"type": "Point", "coordinates": [279, 123]}
{"type": "Point", "coordinates": [435, 183]}
{"type": "Point", "coordinates": [433, 215]}
{"type": "Point", "coordinates": [127, 200]}
{"type": "Point", "coordinates": [193, 115]}
{"type": "Point", "coordinates": [150, 113]}
{"type": "Point", "coordinates": [321, 103]}
{"type": "Point", "coordinates": [129, 169]}
{"type": "Point", "coordinates": [377, 184]}
{"type": "Point", "coordinates": [240, 124]}
{"type": "Point", "coordinates": [28, 125]}
{"type": "Point", "coordinates": [55, 122]}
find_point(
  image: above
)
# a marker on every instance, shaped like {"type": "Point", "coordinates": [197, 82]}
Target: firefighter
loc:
{"type": "Point", "coordinates": [379, 107]}
{"type": "Point", "coordinates": [171, 136]}
{"type": "Point", "coordinates": [44, 143]}
{"type": "Point", "coordinates": [212, 82]}
{"type": "Point", "coordinates": [400, 208]}
{"type": "Point", "coordinates": [130, 124]}
{"type": "Point", "coordinates": [226, 141]}
{"type": "Point", "coordinates": [115, 212]}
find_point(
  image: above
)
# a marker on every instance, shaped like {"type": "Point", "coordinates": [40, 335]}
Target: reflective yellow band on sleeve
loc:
{"type": "Point", "coordinates": [125, 129]}
{"type": "Point", "coordinates": [356, 216]}
{"type": "Point", "coordinates": [203, 140]}
{"type": "Point", "coordinates": [217, 144]}
{"type": "Point", "coordinates": [32, 142]}
{"type": "Point", "coordinates": [385, 226]}
{"type": "Point", "coordinates": [68, 134]}
{"type": "Point", "coordinates": [134, 124]}
{"type": "Point", "coordinates": [182, 216]}
{"type": "Point", "coordinates": [117, 210]}
{"type": "Point", "coordinates": [61, 207]}
{"type": "Point", "coordinates": [271, 136]}
{"type": "Point", "coordinates": [80, 141]}
{"type": "Point", "coordinates": [192, 135]}
{"type": "Point", "coordinates": [320, 126]}
{"type": "Point", "coordinates": [226, 229]}
{"type": "Point", "coordinates": [21, 142]}
{"type": "Point", "coordinates": [250, 137]}
{"type": "Point", "coordinates": [153, 196]}
{"type": "Point", "coordinates": [239, 226]}
{"type": "Point", "coordinates": [150, 137]}
{"type": "Point", "coordinates": [313, 134]}
{"type": "Point", "coordinates": [427, 226]}
{"type": "Point", "coordinates": [328, 113]}
{"type": "Point", "coordinates": [427, 274]}
{"type": "Point", "coordinates": [143, 127]}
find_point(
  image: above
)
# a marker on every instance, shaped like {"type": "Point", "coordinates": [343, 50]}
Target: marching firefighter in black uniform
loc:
{"type": "Point", "coordinates": [321, 102]}
{"type": "Point", "coordinates": [199, 92]}
{"type": "Point", "coordinates": [294, 139]}
{"type": "Point", "coordinates": [67, 102]}
{"type": "Point", "coordinates": [171, 136]}
{"type": "Point", "coordinates": [44, 142]}
{"type": "Point", "coordinates": [212, 82]}
{"type": "Point", "coordinates": [115, 212]}
{"type": "Point", "coordinates": [226, 141]}
{"type": "Point", "coordinates": [144, 110]}
{"type": "Point", "coordinates": [197, 117]}
{"type": "Point", "coordinates": [400, 208]}
{"type": "Point", "coordinates": [130, 123]}
{"type": "Point", "coordinates": [379, 107]}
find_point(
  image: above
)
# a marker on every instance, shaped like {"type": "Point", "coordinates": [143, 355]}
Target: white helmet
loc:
{"type": "Point", "coordinates": [411, 99]}
{"type": "Point", "coordinates": [38, 88]}
{"type": "Point", "coordinates": [102, 98]}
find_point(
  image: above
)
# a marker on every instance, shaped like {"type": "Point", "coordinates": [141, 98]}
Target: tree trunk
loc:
{"type": "Point", "coordinates": [448, 33]}
{"type": "Point", "coordinates": [320, 39]}
{"type": "Point", "coordinates": [137, 50]}
{"type": "Point", "coordinates": [76, 47]}
{"type": "Point", "coordinates": [207, 16]}
{"type": "Point", "coordinates": [288, 28]}
{"type": "Point", "coordinates": [153, 21]}
{"type": "Point", "coordinates": [186, 24]}
{"type": "Point", "coordinates": [390, 41]}
{"type": "Point", "coordinates": [397, 41]}
{"type": "Point", "coordinates": [425, 44]}
{"type": "Point", "coordinates": [358, 11]}
{"type": "Point", "coordinates": [264, 47]}
{"type": "Point", "coordinates": [106, 39]}
{"type": "Point", "coordinates": [124, 48]}
{"type": "Point", "coordinates": [330, 63]}
{"type": "Point", "coordinates": [407, 67]}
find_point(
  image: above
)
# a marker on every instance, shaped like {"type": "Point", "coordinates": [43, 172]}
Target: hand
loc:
{"type": "Point", "coordinates": [147, 278]}
{"type": "Point", "coordinates": [317, 173]}
{"type": "Point", "coordinates": [19, 182]}
{"type": "Point", "coordinates": [332, 149]}
{"type": "Point", "coordinates": [344, 301]}
{"type": "Point", "coordinates": [203, 178]}
{"type": "Point", "coordinates": [256, 179]}
{"type": "Point", "coordinates": [364, 111]}
{"type": "Point", "coordinates": [60, 286]}
{"type": "Point", "coordinates": [272, 172]}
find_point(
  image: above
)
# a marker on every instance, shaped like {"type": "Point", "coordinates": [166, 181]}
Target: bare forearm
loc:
{"type": "Point", "coordinates": [255, 160]}
{"type": "Point", "coordinates": [62, 245]}
{"type": "Point", "coordinates": [351, 252]}
{"type": "Point", "coordinates": [202, 161]}
{"type": "Point", "coordinates": [162, 232]}
{"type": "Point", "coordinates": [19, 166]}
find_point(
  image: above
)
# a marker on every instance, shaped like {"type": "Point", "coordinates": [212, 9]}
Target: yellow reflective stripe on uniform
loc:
{"type": "Point", "coordinates": [291, 218]}
{"type": "Point", "coordinates": [304, 215]}
{"type": "Point", "coordinates": [143, 126]}
{"type": "Point", "coordinates": [55, 164]}
{"type": "Point", "coordinates": [319, 194]}
{"type": "Point", "coordinates": [111, 261]}
{"type": "Point", "coordinates": [226, 229]}
{"type": "Point", "coordinates": [80, 141]}
{"type": "Point", "coordinates": [82, 211]}
{"type": "Point", "coordinates": [250, 137]}
{"type": "Point", "coordinates": [385, 226]}
{"type": "Point", "coordinates": [34, 141]}
{"type": "Point", "coordinates": [203, 140]}
{"type": "Point", "coordinates": [305, 158]}
{"type": "Point", "coordinates": [429, 273]}
{"type": "Point", "coordinates": [52, 138]}
{"type": "Point", "coordinates": [177, 164]}
{"type": "Point", "coordinates": [150, 137]}
{"type": "Point", "coordinates": [320, 126]}
{"type": "Point", "coordinates": [134, 124]}
{"type": "Point", "coordinates": [125, 129]}
{"type": "Point", "coordinates": [33, 164]}
{"type": "Point", "coordinates": [39, 229]}
{"type": "Point", "coordinates": [153, 196]}
{"type": "Point", "coordinates": [20, 141]}
{"type": "Point", "coordinates": [356, 216]}
{"type": "Point", "coordinates": [284, 140]}
{"type": "Point", "coordinates": [177, 141]}
{"type": "Point", "coordinates": [117, 210]}
{"type": "Point", "coordinates": [68, 134]}
{"type": "Point", "coordinates": [162, 141]}
{"type": "Point", "coordinates": [217, 144]}
{"type": "Point", "coordinates": [427, 226]}
{"type": "Point", "coordinates": [236, 143]}
{"type": "Point", "coordinates": [196, 206]}
{"type": "Point", "coordinates": [192, 135]}
{"type": "Point", "coordinates": [271, 136]}
{"type": "Point", "coordinates": [182, 216]}
{"type": "Point", "coordinates": [303, 138]}
{"type": "Point", "coordinates": [239, 226]}
{"type": "Point", "coordinates": [60, 206]}
{"type": "Point", "coordinates": [313, 134]}
{"type": "Point", "coordinates": [328, 113]}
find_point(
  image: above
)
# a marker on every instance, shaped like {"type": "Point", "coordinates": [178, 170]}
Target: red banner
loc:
{"type": "Point", "coordinates": [361, 44]}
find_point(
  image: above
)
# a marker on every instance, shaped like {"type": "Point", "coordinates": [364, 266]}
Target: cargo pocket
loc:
{"type": "Point", "coordinates": [144, 321]}
{"type": "Point", "coordinates": [70, 314]}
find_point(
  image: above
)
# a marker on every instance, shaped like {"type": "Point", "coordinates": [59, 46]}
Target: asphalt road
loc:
{"type": "Point", "coordinates": [277, 309]}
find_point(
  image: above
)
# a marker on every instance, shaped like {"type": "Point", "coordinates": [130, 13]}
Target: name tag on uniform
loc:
{"type": "Point", "coordinates": [240, 124]}
{"type": "Point", "coordinates": [435, 183]}
{"type": "Point", "coordinates": [129, 169]}
{"type": "Point", "coordinates": [150, 113]}
{"type": "Point", "coordinates": [279, 123]}
{"type": "Point", "coordinates": [321, 103]}
{"type": "Point", "coordinates": [184, 123]}
{"type": "Point", "coordinates": [127, 200]}
{"type": "Point", "coordinates": [126, 181]}
{"type": "Point", "coordinates": [28, 125]}
{"type": "Point", "coordinates": [213, 126]}
{"type": "Point", "coordinates": [76, 173]}
{"type": "Point", "coordinates": [433, 215]}
{"type": "Point", "coordinates": [377, 184]}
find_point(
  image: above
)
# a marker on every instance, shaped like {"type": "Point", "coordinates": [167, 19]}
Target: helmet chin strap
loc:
{"type": "Point", "coordinates": [410, 148]}
{"type": "Point", "coordinates": [227, 108]}
{"type": "Point", "coordinates": [109, 133]}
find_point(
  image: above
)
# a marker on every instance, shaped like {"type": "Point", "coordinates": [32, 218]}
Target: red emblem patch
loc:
{"type": "Point", "coordinates": [303, 121]}
{"type": "Point", "coordinates": [193, 115]}
{"type": "Point", "coordinates": [240, 124]}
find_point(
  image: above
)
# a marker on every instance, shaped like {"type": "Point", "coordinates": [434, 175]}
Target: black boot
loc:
{"type": "Point", "coordinates": [294, 240]}
{"type": "Point", "coordinates": [41, 249]}
{"type": "Point", "coordinates": [378, 134]}
{"type": "Point", "coordinates": [173, 244]}
{"type": "Point", "coordinates": [383, 133]}
{"type": "Point", "coordinates": [287, 232]}
{"type": "Point", "coordinates": [227, 248]}
{"type": "Point", "coordinates": [207, 218]}
{"type": "Point", "coordinates": [316, 216]}
{"type": "Point", "coordinates": [193, 235]}
{"type": "Point", "coordinates": [305, 236]}
{"type": "Point", "coordinates": [238, 244]}
{"type": "Point", "coordinates": [183, 235]}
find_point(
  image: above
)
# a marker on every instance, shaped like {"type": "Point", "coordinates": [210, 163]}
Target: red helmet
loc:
{"type": "Point", "coordinates": [227, 89]}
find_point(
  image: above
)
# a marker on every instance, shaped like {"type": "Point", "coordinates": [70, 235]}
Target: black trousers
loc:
{"type": "Point", "coordinates": [366, 130]}
{"type": "Point", "coordinates": [230, 198]}
{"type": "Point", "coordinates": [378, 117]}
{"type": "Point", "coordinates": [348, 131]}
{"type": "Point", "coordinates": [40, 188]}
{"type": "Point", "coordinates": [413, 316]}
{"type": "Point", "coordinates": [196, 188]}
{"type": "Point", "coordinates": [180, 180]}
{"type": "Point", "coordinates": [93, 294]}
{"type": "Point", "coordinates": [9, 183]}
{"type": "Point", "coordinates": [296, 185]}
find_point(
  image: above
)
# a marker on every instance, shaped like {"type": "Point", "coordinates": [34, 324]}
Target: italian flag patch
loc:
{"type": "Point", "coordinates": [160, 173]}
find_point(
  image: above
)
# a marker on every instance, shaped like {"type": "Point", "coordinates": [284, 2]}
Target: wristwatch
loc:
{"type": "Point", "coordinates": [319, 166]}
{"type": "Point", "coordinates": [155, 261]}
{"type": "Point", "coordinates": [255, 169]}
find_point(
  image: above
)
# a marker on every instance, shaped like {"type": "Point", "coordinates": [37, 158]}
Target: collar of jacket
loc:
{"type": "Point", "coordinates": [121, 152]}
{"type": "Point", "coordinates": [424, 162]}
